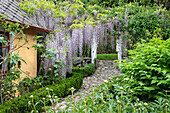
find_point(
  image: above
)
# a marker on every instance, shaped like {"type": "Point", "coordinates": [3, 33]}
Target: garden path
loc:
{"type": "Point", "coordinates": [105, 70]}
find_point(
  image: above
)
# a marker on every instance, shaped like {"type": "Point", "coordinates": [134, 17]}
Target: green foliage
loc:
{"type": "Point", "coordinates": [8, 85]}
{"type": "Point", "coordinates": [139, 21]}
{"type": "Point", "coordinates": [107, 56]}
{"type": "Point", "coordinates": [145, 20]}
{"type": "Point", "coordinates": [51, 74]}
{"type": "Point", "coordinates": [114, 3]}
{"type": "Point", "coordinates": [115, 96]}
{"type": "Point", "coordinates": [149, 65]}
{"type": "Point", "coordinates": [86, 71]}
{"type": "Point", "coordinates": [20, 104]}
{"type": "Point", "coordinates": [27, 84]}
{"type": "Point", "coordinates": [59, 10]}
{"type": "Point", "coordinates": [11, 58]}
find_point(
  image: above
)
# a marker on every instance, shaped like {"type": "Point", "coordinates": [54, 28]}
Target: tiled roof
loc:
{"type": "Point", "coordinates": [11, 10]}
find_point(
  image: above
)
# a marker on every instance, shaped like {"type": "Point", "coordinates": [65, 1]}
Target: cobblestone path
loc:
{"type": "Point", "coordinates": [105, 70]}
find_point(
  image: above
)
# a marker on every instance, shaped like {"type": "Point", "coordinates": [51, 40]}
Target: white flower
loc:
{"type": "Point", "coordinates": [49, 96]}
{"type": "Point", "coordinates": [93, 85]}
{"type": "Point", "coordinates": [56, 97]}
{"type": "Point", "coordinates": [43, 98]}
{"type": "Point", "coordinates": [131, 91]}
{"type": "Point", "coordinates": [72, 88]}
{"type": "Point", "coordinates": [139, 104]}
{"type": "Point", "coordinates": [105, 81]}
{"type": "Point", "coordinates": [145, 104]}
{"type": "Point", "coordinates": [47, 88]}
{"type": "Point", "coordinates": [31, 96]}
{"type": "Point", "coordinates": [121, 88]}
{"type": "Point", "coordinates": [166, 103]}
{"type": "Point", "coordinates": [29, 103]}
{"type": "Point", "coordinates": [126, 79]}
{"type": "Point", "coordinates": [137, 99]}
{"type": "Point", "coordinates": [118, 101]}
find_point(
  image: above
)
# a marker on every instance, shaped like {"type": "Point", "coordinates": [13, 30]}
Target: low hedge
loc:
{"type": "Point", "coordinates": [20, 104]}
{"type": "Point", "coordinates": [86, 71]}
{"type": "Point", "coordinates": [107, 56]}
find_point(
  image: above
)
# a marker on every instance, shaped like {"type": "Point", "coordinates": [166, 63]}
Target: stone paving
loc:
{"type": "Point", "coordinates": [105, 70]}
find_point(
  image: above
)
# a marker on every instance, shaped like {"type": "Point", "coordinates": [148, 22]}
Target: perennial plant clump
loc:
{"type": "Point", "coordinates": [149, 66]}
{"type": "Point", "coordinates": [114, 96]}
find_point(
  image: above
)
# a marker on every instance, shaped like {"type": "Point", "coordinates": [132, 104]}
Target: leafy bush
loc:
{"type": "Point", "coordinates": [149, 65]}
{"type": "Point", "coordinates": [86, 71]}
{"type": "Point", "coordinates": [28, 85]}
{"type": "Point", "coordinates": [145, 20]}
{"type": "Point", "coordinates": [114, 3]}
{"type": "Point", "coordinates": [107, 56]}
{"type": "Point", "coordinates": [121, 100]}
{"type": "Point", "coordinates": [20, 104]}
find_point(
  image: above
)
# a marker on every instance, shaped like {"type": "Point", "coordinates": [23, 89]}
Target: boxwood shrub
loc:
{"type": "Point", "coordinates": [86, 71]}
{"type": "Point", "coordinates": [107, 56]}
{"type": "Point", "coordinates": [20, 104]}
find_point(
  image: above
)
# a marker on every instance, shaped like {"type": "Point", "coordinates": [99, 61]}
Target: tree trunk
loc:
{"type": "Point", "coordinates": [94, 46]}
{"type": "Point", "coordinates": [119, 48]}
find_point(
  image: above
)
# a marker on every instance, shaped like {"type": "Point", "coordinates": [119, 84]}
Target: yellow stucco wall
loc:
{"type": "Point", "coordinates": [28, 53]}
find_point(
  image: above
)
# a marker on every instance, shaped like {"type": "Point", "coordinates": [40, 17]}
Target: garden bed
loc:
{"type": "Point", "coordinates": [20, 104]}
{"type": "Point", "coordinates": [75, 79]}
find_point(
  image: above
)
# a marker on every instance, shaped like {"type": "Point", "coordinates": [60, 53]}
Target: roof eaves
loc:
{"type": "Point", "coordinates": [31, 27]}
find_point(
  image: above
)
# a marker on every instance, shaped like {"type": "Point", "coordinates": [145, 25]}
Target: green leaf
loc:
{"type": "Point", "coordinates": [153, 81]}
{"type": "Point", "coordinates": [149, 76]}
{"type": "Point", "coordinates": [162, 82]}
{"type": "Point", "coordinates": [149, 88]}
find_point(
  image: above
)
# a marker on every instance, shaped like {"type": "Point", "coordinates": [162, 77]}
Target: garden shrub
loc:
{"type": "Point", "coordinates": [145, 20]}
{"type": "Point", "coordinates": [28, 84]}
{"type": "Point", "coordinates": [20, 104]}
{"type": "Point", "coordinates": [149, 65]}
{"type": "Point", "coordinates": [107, 56]}
{"type": "Point", "coordinates": [86, 71]}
